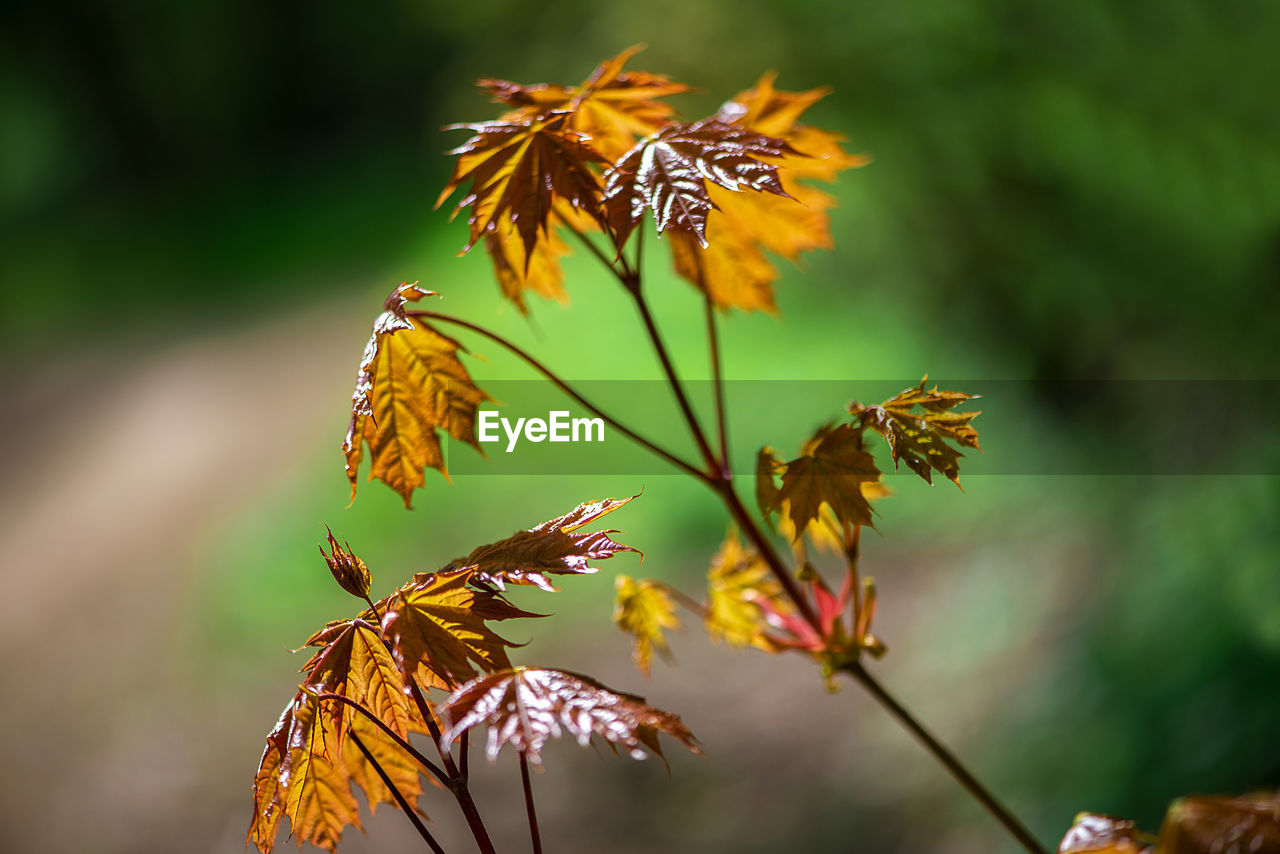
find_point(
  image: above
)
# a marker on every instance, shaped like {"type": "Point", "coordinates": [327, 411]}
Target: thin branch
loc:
{"type": "Point", "coordinates": [668, 368]}
{"type": "Point", "coordinates": [713, 341]}
{"type": "Point", "coordinates": [457, 781]}
{"type": "Point", "coordinates": [400, 799]}
{"type": "Point", "coordinates": [566, 388]}
{"type": "Point", "coordinates": [595, 250]}
{"type": "Point", "coordinates": [948, 760]}
{"type": "Point", "coordinates": [405, 745]}
{"type": "Point", "coordinates": [464, 753]}
{"type": "Point", "coordinates": [528, 805]}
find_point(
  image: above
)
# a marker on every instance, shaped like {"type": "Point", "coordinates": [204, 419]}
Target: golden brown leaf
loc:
{"type": "Point", "coordinates": [410, 384]}
{"type": "Point", "coordinates": [527, 707]}
{"type": "Point", "coordinates": [920, 439]}
{"type": "Point", "coordinates": [644, 610]}
{"type": "Point", "coordinates": [550, 548]}
{"type": "Point", "coordinates": [539, 273]}
{"type": "Point", "coordinates": [299, 778]}
{"type": "Point", "coordinates": [737, 582]}
{"type": "Point", "coordinates": [518, 169]}
{"type": "Point", "coordinates": [733, 269]}
{"type": "Point", "coordinates": [614, 108]}
{"type": "Point", "coordinates": [436, 628]}
{"type": "Point", "coordinates": [348, 570]}
{"type": "Point", "coordinates": [830, 471]}
{"type": "Point", "coordinates": [355, 663]}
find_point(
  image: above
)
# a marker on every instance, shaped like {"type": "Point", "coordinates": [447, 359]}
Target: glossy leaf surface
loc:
{"type": "Point", "coordinates": [518, 169]}
{"type": "Point", "coordinates": [555, 547]}
{"type": "Point", "coordinates": [527, 707]}
{"type": "Point", "coordinates": [667, 174]}
{"type": "Point", "coordinates": [410, 385]}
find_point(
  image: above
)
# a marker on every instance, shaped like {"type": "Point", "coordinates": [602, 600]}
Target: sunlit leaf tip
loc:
{"type": "Point", "coordinates": [554, 547]}
{"type": "Point", "coordinates": [527, 707]}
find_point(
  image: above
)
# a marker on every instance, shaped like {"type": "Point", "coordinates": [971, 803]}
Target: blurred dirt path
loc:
{"type": "Point", "coordinates": [116, 481]}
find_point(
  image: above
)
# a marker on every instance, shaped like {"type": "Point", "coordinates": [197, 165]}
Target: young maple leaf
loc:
{"type": "Point", "coordinates": [518, 169]}
{"type": "Point", "coordinates": [436, 628]}
{"type": "Point", "coordinates": [550, 548]}
{"type": "Point", "coordinates": [737, 583]}
{"type": "Point", "coordinates": [527, 707]}
{"type": "Point", "coordinates": [300, 779]}
{"type": "Point", "coordinates": [348, 570]}
{"type": "Point", "coordinates": [612, 107]}
{"type": "Point", "coordinates": [668, 174]}
{"type": "Point", "coordinates": [920, 440]}
{"type": "Point", "coordinates": [732, 269]}
{"type": "Point", "coordinates": [355, 663]}
{"type": "Point", "coordinates": [832, 470]}
{"type": "Point", "coordinates": [410, 384]}
{"type": "Point", "coordinates": [645, 611]}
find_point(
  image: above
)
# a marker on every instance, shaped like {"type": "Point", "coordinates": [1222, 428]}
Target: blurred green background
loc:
{"type": "Point", "coordinates": [202, 205]}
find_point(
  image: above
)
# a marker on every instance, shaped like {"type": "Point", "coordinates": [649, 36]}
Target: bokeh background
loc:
{"type": "Point", "coordinates": [203, 203]}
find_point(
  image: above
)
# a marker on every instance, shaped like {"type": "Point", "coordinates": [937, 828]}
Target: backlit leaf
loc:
{"type": "Point", "coordinates": [668, 172]}
{"type": "Point", "coordinates": [410, 384]}
{"type": "Point", "coordinates": [614, 108]}
{"type": "Point", "coordinates": [436, 626]}
{"type": "Point", "coordinates": [737, 582]}
{"type": "Point", "coordinates": [527, 707]}
{"type": "Point", "coordinates": [354, 662]}
{"type": "Point", "coordinates": [297, 778]}
{"type": "Point", "coordinates": [550, 548]}
{"type": "Point", "coordinates": [402, 768]}
{"type": "Point", "coordinates": [733, 268]}
{"type": "Point", "coordinates": [517, 170]}
{"type": "Point", "coordinates": [830, 471]}
{"type": "Point", "coordinates": [920, 438]}
{"type": "Point", "coordinates": [539, 273]}
{"type": "Point", "coordinates": [645, 611]}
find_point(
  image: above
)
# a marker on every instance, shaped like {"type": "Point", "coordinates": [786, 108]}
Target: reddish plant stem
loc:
{"type": "Point", "coordinates": [566, 388]}
{"type": "Point", "coordinates": [528, 805]}
{"type": "Point", "coordinates": [404, 745]}
{"type": "Point", "coordinates": [948, 760]}
{"type": "Point", "coordinates": [719, 478]}
{"type": "Point", "coordinates": [457, 781]}
{"type": "Point", "coordinates": [713, 340]}
{"type": "Point", "coordinates": [408, 810]}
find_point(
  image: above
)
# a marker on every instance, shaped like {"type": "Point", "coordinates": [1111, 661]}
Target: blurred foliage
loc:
{"type": "Point", "coordinates": [1086, 191]}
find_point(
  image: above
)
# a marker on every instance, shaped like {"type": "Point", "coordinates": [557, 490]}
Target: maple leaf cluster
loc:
{"type": "Point", "coordinates": [365, 691]}
{"type": "Point", "coordinates": [600, 156]}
